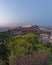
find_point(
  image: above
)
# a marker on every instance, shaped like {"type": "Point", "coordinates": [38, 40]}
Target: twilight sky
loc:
{"type": "Point", "coordinates": [19, 12]}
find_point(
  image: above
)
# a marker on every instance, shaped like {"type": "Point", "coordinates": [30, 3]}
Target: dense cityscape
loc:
{"type": "Point", "coordinates": [45, 32]}
{"type": "Point", "coordinates": [26, 45]}
{"type": "Point", "coordinates": [25, 32]}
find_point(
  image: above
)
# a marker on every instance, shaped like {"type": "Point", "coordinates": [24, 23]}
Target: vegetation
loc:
{"type": "Point", "coordinates": [24, 50]}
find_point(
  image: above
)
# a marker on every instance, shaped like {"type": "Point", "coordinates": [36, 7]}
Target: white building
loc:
{"type": "Point", "coordinates": [44, 37]}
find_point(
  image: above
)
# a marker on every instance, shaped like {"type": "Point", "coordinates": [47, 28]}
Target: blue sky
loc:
{"type": "Point", "coordinates": [19, 12]}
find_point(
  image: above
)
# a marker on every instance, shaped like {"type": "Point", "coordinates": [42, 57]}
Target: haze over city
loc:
{"type": "Point", "coordinates": [19, 12]}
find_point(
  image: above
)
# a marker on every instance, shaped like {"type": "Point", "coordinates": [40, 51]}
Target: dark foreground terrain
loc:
{"type": "Point", "coordinates": [24, 50]}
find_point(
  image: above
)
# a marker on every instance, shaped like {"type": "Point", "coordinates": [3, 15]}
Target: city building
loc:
{"type": "Point", "coordinates": [25, 29]}
{"type": "Point", "coordinates": [46, 38]}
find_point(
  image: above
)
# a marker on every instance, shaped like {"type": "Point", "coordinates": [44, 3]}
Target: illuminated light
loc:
{"type": "Point", "coordinates": [26, 26]}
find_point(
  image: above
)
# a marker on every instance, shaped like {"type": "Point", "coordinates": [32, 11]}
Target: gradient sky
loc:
{"type": "Point", "coordinates": [19, 12]}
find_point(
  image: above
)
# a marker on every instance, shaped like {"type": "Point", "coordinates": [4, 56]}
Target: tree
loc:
{"type": "Point", "coordinates": [4, 51]}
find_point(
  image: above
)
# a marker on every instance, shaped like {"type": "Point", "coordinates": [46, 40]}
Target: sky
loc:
{"type": "Point", "coordinates": [20, 12]}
